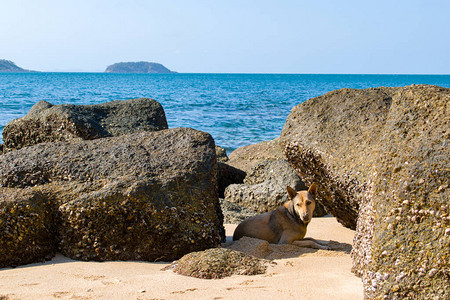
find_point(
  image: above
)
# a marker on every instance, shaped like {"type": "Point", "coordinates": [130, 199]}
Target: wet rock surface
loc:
{"type": "Point", "coordinates": [381, 157]}
{"type": "Point", "coordinates": [144, 196]}
{"type": "Point", "coordinates": [48, 123]}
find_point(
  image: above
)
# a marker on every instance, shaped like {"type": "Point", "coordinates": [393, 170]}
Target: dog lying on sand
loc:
{"type": "Point", "coordinates": [285, 225]}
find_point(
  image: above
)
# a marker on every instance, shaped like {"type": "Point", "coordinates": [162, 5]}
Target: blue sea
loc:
{"type": "Point", "coordinates": [236, 109]}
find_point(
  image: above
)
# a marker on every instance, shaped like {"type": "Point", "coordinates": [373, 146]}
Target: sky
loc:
{"type": "Point", "coordinates": [244, 36]}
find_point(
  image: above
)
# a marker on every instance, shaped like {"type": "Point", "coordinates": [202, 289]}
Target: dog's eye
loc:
{"type": "Point", "coordinates": [308, 202]}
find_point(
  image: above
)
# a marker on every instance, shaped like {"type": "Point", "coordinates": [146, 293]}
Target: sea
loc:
{"type": "Point", "coordinates": [236, 109]}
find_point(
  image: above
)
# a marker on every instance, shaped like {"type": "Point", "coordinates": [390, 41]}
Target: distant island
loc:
{"type": "Point", "coordinates": [9, 66]}
{"type": "Point", "coordinates": [138, 67]}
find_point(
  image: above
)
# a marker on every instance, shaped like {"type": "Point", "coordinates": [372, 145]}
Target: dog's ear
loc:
{"type": "Point", "coordinates": [291, 192]}
{"type": "Point", "coordinates": [313, 189]}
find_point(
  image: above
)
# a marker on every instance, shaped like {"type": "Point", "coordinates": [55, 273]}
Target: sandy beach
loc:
{"type": "Point", "coordinates": [316, 274]}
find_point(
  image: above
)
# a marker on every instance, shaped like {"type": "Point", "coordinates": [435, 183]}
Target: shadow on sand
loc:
{"type": "Point", "coordinates": [262, 249]}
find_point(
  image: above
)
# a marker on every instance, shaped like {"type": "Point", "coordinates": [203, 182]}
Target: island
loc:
{"type": "Point", "coordinates": [138, 67]}
{"type": "Point", "coordinates": [9, 66]}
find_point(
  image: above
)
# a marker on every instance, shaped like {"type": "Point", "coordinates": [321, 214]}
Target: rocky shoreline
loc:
{"type": "Point", "coordinates": [112, 182]}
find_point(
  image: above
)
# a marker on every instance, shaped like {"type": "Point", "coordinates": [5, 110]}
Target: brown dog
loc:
{"type": "Point", "coordinates": [285, 225]}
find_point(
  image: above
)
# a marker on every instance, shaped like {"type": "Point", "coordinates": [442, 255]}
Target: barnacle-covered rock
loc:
{"type": "Point", "coordinates": [218, 263]}
{"type": "Point", "coordinates": [332, 140]}
{"type": "Point", "coordinates": [406, 212]}
{"type": "Point", "coordinates": [48, 123]}
{"type": "Point", "coordinates": [381, 157]}
{"type": "Point", "coordinates": [27, 227]}
{"type": "Point", "coordinates": [145, 196]}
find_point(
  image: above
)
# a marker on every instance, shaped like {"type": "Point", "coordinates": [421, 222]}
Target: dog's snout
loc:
{"type": "Point", "coordinates": [305, 216]}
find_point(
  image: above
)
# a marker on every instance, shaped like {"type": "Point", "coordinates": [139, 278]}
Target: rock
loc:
{"type": "Point", "coordinates": [138, 67]}
{"type": "Point", "coordinates": [233, 213]}
{"type": "Point", "coordinates": [279, 171]}
{"type": "Point", "coordinates": [268, 174]}
{"type": "Point", "coordinates": [264, 189]}
{"type": "Point", "coordinates": [221, 154]}
{"type": "Point", "coordinates": [245, 158]}
{"type": "Point", "coordinates": [144, 196]}
{"type": "Point", "coordinates": [381, 156]}
{"type": "Point", "coordinates": [332, 139]}
{"type": "Point", "coordinates": [218, 263]}
{"type": "Point", "coordinates": [1, 149]}
{"type": "Point", "coordinates": [228, 175]}
{"type": "Point", "coordinates": [48, 123]}
{"type": "Point", "coordinates": [27, 227]}
{"type": "Point", "coordinates": [234, 169]}
{"type": "Point", "coordinates": [401, 248]}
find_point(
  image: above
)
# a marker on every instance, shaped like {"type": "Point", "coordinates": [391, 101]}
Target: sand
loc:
{"type": "Point", "coordinates": [308, 274]}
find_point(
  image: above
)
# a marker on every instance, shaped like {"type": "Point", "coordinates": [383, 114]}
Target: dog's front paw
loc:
{"type": "Point", "coordinates": [323, 247]}
{"type": "Point", "coordinates": [323, 243]}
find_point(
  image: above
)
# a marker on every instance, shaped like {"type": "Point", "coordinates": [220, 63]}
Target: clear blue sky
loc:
{"type": "Point", "coordinates": [244, 36]}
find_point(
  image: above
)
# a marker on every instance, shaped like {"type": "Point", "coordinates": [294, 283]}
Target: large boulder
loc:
{"type": "Point", "coordinates": [402, 244]}
{"type": "Point", "coordinates": [382, 157]}
{"type": "Point", "coordinates": [48, 123]}
{"type": "Point", "coordinates": [332, 140]}
{"type": "Point", "coordinates": [144, 196]}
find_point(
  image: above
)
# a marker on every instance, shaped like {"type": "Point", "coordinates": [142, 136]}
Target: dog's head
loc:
{"type": "Point", "coordinates": [303, 202]}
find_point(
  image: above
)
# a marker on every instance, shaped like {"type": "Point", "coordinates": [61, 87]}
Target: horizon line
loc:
{"type": "Point", "coordinates": [229, 73]}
